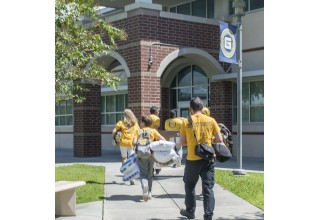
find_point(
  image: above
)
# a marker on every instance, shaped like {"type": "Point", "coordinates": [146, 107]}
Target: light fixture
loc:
{"type": "Point", "coordinates": [239, 6]}
{"type": "Point", "coordinates": [150, 62]}
{"type": "Point", "coordinates": [150, 58]}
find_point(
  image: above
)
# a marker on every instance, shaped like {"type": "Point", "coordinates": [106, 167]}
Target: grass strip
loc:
{"type": "Point", "coordinates": [92, 175]}
{"type": "Point", "coordinates": [249, 187]}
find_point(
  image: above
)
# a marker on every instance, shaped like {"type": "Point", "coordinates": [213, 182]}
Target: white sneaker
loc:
{"type": "Point", "coordinates": [145, 188]}
{"type": "Point", "coordinates": [127, 183]}
{"type": "Point", "coordinates": [149, 195]}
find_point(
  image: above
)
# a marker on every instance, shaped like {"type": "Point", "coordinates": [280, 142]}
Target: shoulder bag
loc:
{"type": "Point", "coordinates": [204, 151]}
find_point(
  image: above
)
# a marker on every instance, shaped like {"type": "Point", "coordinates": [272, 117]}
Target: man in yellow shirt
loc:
{"type": "Point", "coordinates": [205, 128]}
{"type": "Point", "coordinates": [154, 115]}
{"type": "Point", "coordinates": [174, 124]}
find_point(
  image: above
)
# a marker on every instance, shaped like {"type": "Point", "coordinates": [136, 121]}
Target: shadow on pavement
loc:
{"type": "Point", "coordinates": [63, 155]}
{"type": "Point", "coordinates": [135, 198]}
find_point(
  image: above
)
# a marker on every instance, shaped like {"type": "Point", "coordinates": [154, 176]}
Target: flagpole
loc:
{"type": "Point", "coordinates": [239, 6]}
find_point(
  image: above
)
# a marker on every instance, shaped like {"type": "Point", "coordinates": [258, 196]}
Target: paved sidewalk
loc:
{"type": "Point", "coordinates": [125, 201]}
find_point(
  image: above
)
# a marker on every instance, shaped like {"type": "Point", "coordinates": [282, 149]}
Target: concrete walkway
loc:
{"type": "Point", "coordinates": [125, 202]}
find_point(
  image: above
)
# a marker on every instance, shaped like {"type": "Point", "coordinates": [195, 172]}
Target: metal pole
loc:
{"type": "Point", "coordinates": [239, 171]}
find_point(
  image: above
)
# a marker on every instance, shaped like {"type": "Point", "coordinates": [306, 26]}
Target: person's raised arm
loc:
{"type": "Point", "coordinates": [161, 137]}
{"type": "Point", "coordinates": [217, 138]}
{"type": "Point", "coordinates": [114, 131]}
{"type": "Point", "coordinates": [183, 140]}
{"type": "Point", "coordinates": [158, 136]}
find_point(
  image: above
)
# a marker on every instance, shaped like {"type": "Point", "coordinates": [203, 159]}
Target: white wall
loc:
{"type": "Point", "coordinates": [252, 39]}
{"type": "Point", "coordinates": [106, 139]}
{"type": "Point", "coordinates": [252, 145]}
{"type": "Point", "coordinates": [253, 60]}
{"type": "Point", "coordinates": [253, 30]}
{"type": "Point", "coordinates": [64, 140]}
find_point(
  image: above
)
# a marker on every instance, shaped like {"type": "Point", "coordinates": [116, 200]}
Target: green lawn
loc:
{"type": "Point", "coordinates": [92, 175]}
{"type": "Point", "coordinates": [249, 187]}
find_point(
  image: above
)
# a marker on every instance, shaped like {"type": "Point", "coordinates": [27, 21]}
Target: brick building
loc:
{"type": "Point", "coordinates": [170, 56]}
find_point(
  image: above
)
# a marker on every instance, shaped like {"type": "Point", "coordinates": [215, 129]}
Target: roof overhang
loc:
{"type": "Point", "coordinates": [232, 76]}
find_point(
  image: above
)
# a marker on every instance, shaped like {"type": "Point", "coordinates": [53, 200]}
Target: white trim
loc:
{"type": "Point", "coordinates": [120, 90]}
{"type": "Point", "coordinates": [190, 18]}
{"type": "Point", "coordinates": [118, 57]}
{"type": "Point", "coordinates": [170, 15]}
{"type": "Point", "coordinates": [228, 76]}
{"type": "Point", "coordinates": [122, 61]}
{"type": "Point", "coordinates": [188, 51]}
{"type": "Point", "coordinates": [116, 17]}
{"type": "Point", "coordinates": [138, 5]}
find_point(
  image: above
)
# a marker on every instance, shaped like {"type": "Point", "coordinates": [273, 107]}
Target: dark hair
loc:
{"type": "Point", "coordinates": [146, 120]}
{"type": "Point", "coordinates": [196, 104]}
{"type": "Point", "coordinates": [153, 109]}
{"type": "Point", "coordinates": [172, 113]}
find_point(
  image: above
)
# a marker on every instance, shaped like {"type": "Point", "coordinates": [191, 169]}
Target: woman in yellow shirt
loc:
{"type": "Point", "coordinates": [128, 128]}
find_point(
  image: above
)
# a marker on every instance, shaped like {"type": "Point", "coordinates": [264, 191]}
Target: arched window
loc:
{"type": "Point", "coordinates": [189, 82]}
{"type": "Point", "coordinates": [114, 102]}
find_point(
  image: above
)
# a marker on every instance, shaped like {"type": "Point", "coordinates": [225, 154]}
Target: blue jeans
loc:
{"type": "Point", "coordinates": [204, 169]}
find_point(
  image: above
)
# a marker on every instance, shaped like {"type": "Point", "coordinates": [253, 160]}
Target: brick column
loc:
{"type": "Point", "coordinates": [87, 123]}
{"type": "Point", "coordinates": [221, 102]}
{"type": "Point", "coordinates": [165, 105]}
{"type": "Point", "coordinates": [134, 95]}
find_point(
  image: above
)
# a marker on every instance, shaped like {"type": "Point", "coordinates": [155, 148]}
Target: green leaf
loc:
{"type": "Point", "coordinates": [76, 47]}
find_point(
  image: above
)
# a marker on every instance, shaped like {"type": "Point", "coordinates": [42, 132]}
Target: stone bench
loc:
{"type": "Point", "coordinates": [66, 197]}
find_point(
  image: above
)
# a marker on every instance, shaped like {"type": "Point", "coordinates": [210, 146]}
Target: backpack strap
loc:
{"type": "Point", "coordinates": [145, 134]}
{"type": "Point", "coordinates": [191, 125]}
{"type": "Point", "coordinates": [140, 133]}
{"type": "Point", "coordinates": [149, 135]}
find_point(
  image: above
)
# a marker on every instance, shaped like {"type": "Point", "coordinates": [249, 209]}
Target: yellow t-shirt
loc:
{"type": "Point", "coordinates": [173, 124]}
{"type": "Point", "coordinates": [154, 134]}
{"type": "Point", "coordinates": [205, 128]}
{"type": "Point", "coordinates": [155, 120]}
{"type": "Point", "coordinates": [127, 134]}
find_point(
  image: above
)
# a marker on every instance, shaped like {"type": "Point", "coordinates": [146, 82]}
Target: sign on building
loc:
{"type": "Point", "coordinates": [228, 43]}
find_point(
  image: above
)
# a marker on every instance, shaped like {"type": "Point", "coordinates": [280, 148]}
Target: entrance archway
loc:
{"type": "Point", "coordinates": [187, 64]}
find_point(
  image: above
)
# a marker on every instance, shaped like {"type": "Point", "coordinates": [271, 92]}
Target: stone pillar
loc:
{"type": "Point", "coordinates": [87, 122]}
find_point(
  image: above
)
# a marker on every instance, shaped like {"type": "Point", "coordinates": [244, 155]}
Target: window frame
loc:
{"type": "Point", "coordinates": [175, 7]}
{"type": "Point", "coordinates": [118, 114]}
{"type": "Point", "coordinates": [247, 8]}
{"type": "Point", "coordinates": [58, 114]}
{"type": "Point", "coordinates": [247, 106]}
